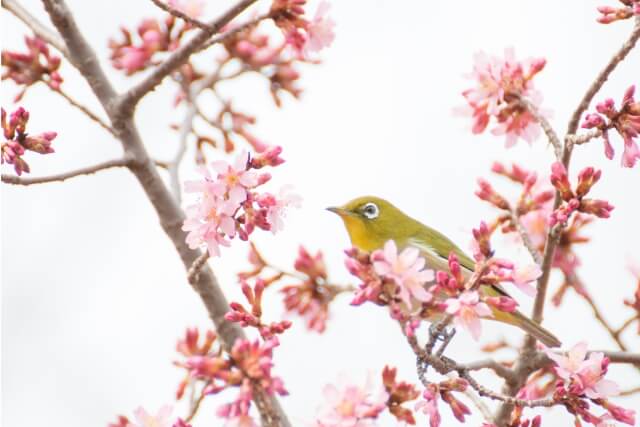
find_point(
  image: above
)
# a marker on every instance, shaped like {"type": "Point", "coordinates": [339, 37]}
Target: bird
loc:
{"type": "Point", "coordinates": [371, 222]}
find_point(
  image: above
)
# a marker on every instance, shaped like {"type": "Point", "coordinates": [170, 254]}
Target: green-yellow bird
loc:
{"type": "Point", "coordinates": [371, 222]}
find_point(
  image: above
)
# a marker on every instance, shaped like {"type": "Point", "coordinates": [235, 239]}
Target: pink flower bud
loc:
{"type": "Point", "coordinates": [560, 181]}
{"type": "Point", "coordinates": [599, 208]}
{"type": "Point", "coordinates": [586, 179]}
{"type": "Point", "coordinates": [593, 121]}
{"type": "Point", "coordinates": [502, 303]}
{"type": "Point", "coordinates": [40, 143]}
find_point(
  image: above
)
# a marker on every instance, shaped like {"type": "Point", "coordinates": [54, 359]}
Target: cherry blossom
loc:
{"type": "Point", "coordinates": [575, 201]}
{"type": "Point", "coordinates": [320, 29]}
{"type": "Point", "coordinates": [625, 120]}
{"type": "Point", "coordinates": [351, 406]}
{"type": "Point", "coordinates": [468, 309]}
{"type": "Point", "coordinates": [406, 269]}
{"type": "Point", "coordinates": [37, 65]}
{"type": "Point", "coordinates": [584, 375]}
{"type": "Point", "coordinates": [611, 14]}
{"type": "Point", "coordinates": [18, 140]}
{"type": "Point", "coordinates": [429, 405]}
{"type": "Point", "coordinates": [229, 205]}
{"type": "Point", "coordinates": [144, 419]}
{"type": "Point", "coordinates": [501, 82]}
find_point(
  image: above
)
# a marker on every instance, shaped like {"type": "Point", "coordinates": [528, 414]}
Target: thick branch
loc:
{"type": "Point", "coordinates": [169, 213]}
{"type": "Point", "coordinates": [179, 57]}
{"type": "Point", "coordinates": [36, 26]}
{"type": "Point", "coordinates": [16, 180]}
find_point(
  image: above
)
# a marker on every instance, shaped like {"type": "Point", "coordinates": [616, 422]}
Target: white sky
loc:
{"type": "Point", "coordinates": [94, 296]}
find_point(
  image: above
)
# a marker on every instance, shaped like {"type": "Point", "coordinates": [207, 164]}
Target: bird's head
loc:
{"type": "Point", "coordinates": [372, 221]}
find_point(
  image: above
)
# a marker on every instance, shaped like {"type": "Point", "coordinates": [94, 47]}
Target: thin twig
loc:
{"type": "Point", "coordinates": [196, 404]}
{"type": "Point", "coordinates": [625, 325]}
{"type": "Point", "coordinates": [183, 135]}
{"type": "Point", "coordinates": [128, 101]}
{"type": "Point", "coordinates": [178, 14]}
{"type": "Point", "coordinates": [36, 26]}
{"type": "Point", "coordinates": [583, 138]}
{"type": "Point", "coordinates": [85, 110]}
{"type": "Point", "coordinates": [552, 136]}
{"type": "Point", "coordinates": [602, 77]}
{"type": "Point", "coordinates": [16, 180]}
{"type": "Point", "coordinates": [630, 391]}
{"type": "Point", "coordinates": [526, 238]}
{"type": "Point", "coordinates": [497, 367]}
{"type": "Point", "coordinates": [221, 38]}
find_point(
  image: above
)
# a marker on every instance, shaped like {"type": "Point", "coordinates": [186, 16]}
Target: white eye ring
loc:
{"type": "Point", "coordinates": [370, 210]}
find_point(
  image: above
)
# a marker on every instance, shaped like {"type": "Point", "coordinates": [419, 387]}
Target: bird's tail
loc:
{"type": "Point", "coordinates": [537, 331]}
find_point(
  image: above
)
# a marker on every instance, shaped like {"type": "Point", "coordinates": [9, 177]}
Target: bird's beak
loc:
{"type": "Point", "coordinates": [340, 211]}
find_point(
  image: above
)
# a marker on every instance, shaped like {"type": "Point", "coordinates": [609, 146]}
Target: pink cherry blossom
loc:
{"type": "Point", "coordinates": [524, 276]}
{"type": "Point", "coordinates": [229, 204]}
{"type": "Point", "coordinates": [18, 140]}
{"type": "Point", "coordinates": [429, 406]}
{"type": "Point", "coordinates": [320, 32]}
{"type": "Point", "coordinates": [468, 309]}
{"type": "Point", "coordinates": [500, 84]}
{"type": "Point", "coordinates": [406, 270]}
{"type": "Point", "coordinates": [584, 376]}
{"type": "Point", "coordinates": [161, 419]}
{"type": "Point", "coordinates": [625, 120]}
{"type": "Point", "coordinates": [192, 8]}
{"type": "Point", "coordinates": [351, 406]}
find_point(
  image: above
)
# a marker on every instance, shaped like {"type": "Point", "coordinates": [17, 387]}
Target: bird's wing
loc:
{"type": "Point", "coordinates": [437, 255]}
{"type": "Point", "coordinates": [441, 246]}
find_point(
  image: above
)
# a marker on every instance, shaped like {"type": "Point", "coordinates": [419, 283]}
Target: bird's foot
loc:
{"type": "Point", "coordinates": [439, 332]}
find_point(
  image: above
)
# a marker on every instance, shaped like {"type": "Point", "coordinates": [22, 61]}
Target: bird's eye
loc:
{"type": "Point", "coordinates": [370, 210]}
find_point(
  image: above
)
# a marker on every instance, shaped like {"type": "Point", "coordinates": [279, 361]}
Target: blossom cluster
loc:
{"type": "Point", "coordinates": [609, 14]}
{"type": "Point", "coordinates": [300, 33]}
{"type": "Point", "coordinates": [581, 379]}
{"type": "Point", "coordinates": [534, 210]}
{"type": "Point", "coordinates": [17, 140]}
{"type": "Point", "coordinates": [144, 419]}
{"type": "Point", "coordinates": [625, 120]}
{"type": "Point", "coordinates": [400, 281]}
{"type": "Point", "coordinates": [310, 293]}
{"type": "Point", "coordinates": [230, 205]}
{"type": "Point", "coordinates": [501, 86]}
{"type": "Point", "coordinates": [247, 365]}
{"type": "Point", "coordinates": [253, 316]}
{"type": "Point", "coordinates": [38, 64]}
{"type": "Point", "coordinates": [354, 406]}
{"type": "Point", "coordinates": [574, 200]}
{"type": "Point", "coordinates": [154, 36]}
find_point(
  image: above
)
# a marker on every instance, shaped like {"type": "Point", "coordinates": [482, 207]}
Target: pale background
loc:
{"type": "Point", "coordinates": [94, 295]}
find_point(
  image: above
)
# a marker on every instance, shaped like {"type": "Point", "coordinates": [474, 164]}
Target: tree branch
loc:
{"type": "Point", "coordinates": [85, 110]}
{"type": "Point", "coordinates": [497, 367]}
{"type": "Point", "coordinates": [16, 180]}
{"type": "Point", "coordinates": [36, 26]}
{"type": "Point", "coordinates": [524, 365]}
{"type": "Point", "coordinates": [552, 136]}
{"type": "Point", "coordinates": [552, 239]}
{"type": "Point", "coordinates": [603, 76]}
{"type": "Point", "coordinates": [169, 213]}
{"type": "Point", "coordinates": [526, 239]}
{"type": "Point", "coordinates": [129, 100]}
